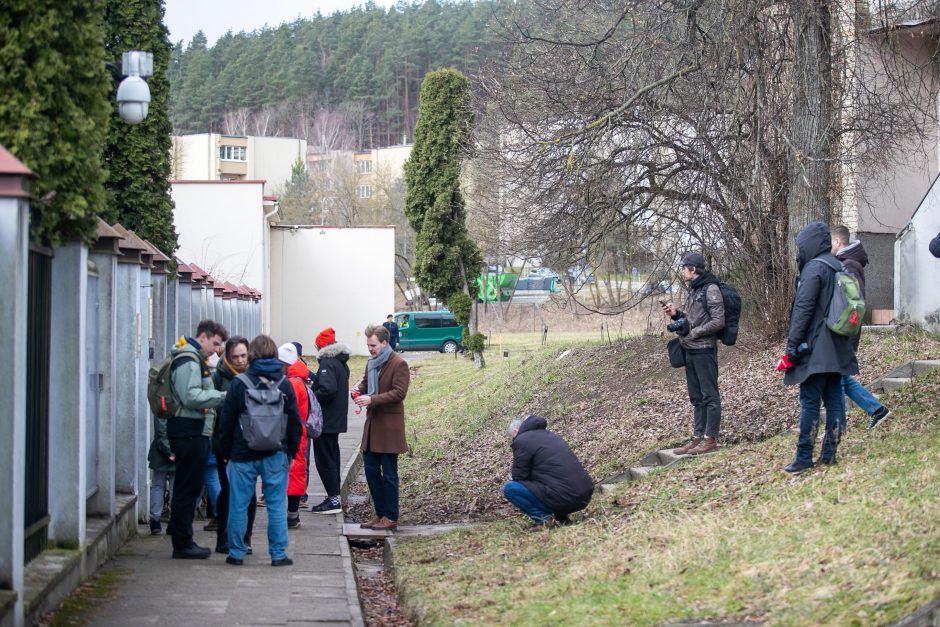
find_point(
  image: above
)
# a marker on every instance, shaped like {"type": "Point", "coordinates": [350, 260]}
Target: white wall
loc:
{"type": "Point", "coordinates": [271, 158]}
{"type": "Point", "coordinates": [221, 229]}
{"type": "Point", "coordinates": [330, 277]}
{"type": "Point", "coordinates": [195, 157]}
{"type": "Point", "coordinates": [915, 270]}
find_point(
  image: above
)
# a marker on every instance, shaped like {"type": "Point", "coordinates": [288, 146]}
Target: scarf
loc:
{"type": "Point", "coordinates": [373, 367]}
{"type": "Point", "coordinates": [230, 367]}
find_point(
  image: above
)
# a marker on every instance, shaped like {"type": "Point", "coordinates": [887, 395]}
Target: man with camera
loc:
{"type": "Point", "coordinates": [697, 327]}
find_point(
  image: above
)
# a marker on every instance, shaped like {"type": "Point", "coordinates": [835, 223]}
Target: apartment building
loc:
{"type": "Point", "coordinates": [373, 170]}
{"type": "Point", "coordinates": [216, 157]}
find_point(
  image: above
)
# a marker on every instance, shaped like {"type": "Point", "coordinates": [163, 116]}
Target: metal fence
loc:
{"type": "Point", "coordinates": [39, 296]}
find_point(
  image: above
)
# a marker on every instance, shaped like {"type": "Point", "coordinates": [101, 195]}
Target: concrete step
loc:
{"type": "Point", "coordinates": [638, 472]}
{"type": "Point", "coordinates": [668, 456]}
{"type": "Point", "coordinates": [651, 459]}
{"type": "Point", "coordinates": [921, 366]}
{"type": "Point", "coordinates": [893, 383]}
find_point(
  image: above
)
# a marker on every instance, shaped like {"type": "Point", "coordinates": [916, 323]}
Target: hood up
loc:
{"type": "Point", "coordinates": [811, 242]}
{"type": "Point", "coordinates": [531, 423]}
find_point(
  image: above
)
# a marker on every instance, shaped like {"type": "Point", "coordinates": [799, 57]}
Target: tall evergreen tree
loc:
{"type": "Point", "coordinates": [138, 156]}
{"type": "Point", "coordinates": [447, 261]}
{"type": "Point", "coordinates": [54, 109]}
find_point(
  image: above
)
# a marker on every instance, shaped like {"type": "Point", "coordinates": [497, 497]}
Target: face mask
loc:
{"type": "Point", "coordinates": [213, 360]}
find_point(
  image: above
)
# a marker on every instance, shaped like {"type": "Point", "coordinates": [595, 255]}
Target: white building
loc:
{"type": "Point", "coordinates": [916, 298]}
{"type": "Point", "coordinates": [326, 276]}
{"type": "Point", "coordinates": [213, 157]}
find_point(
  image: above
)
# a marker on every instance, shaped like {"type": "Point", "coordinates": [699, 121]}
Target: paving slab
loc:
{"type": "Point", "coordinates": [319, 589]}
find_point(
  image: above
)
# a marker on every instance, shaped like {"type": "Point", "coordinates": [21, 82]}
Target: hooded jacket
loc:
{"type": "Point", "coordinates": [544, 463]}
{"type": "Point", "coordinates": [193, 386]}
{"type": "Point", "coordinates": [331, 386]}
{"type": "Point", "coordinates": [830, 352]}
{"type": "Point", "coordinates": [298, 374]}
{"type": "Point", "coordinates": [854, 258]}
{"type": "Point", "coordinates": [231, 443]}
{"type": "Point", "coordinates": [705, 309]}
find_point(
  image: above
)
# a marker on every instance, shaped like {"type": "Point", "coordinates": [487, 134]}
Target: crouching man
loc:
{"type": "Point", "coordinates": [548, 482]}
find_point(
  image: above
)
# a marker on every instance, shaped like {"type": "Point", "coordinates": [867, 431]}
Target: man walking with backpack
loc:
{"type": "Point", "coordinates": [698, 328]}
{"type": "Point", "coordinates": [189, 429]}
{"type": "Point", "coordinates": [817, 358]}
{"type": "Point", "coordinates": [853, 256]}
{"type": "Point", "coordinates": [259, 433]}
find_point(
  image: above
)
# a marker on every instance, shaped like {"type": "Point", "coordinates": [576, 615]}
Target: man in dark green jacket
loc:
{"type": "Point", "coordinates": [189, 430]}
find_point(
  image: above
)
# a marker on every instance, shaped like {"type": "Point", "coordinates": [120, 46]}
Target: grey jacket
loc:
{"type": "Point", "coordinates": [197, 394]}
{"type": "Point", "coordinates": [705, 309]}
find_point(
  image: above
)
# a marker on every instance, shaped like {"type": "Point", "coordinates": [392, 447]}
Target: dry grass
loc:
{"type": "Point", "coordinates": [728, 537]}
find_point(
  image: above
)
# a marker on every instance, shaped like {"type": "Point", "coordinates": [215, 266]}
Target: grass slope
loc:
{"type": "Point", "coordinates": [726, 537]}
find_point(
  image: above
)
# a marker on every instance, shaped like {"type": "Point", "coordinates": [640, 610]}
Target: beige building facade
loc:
{"type": "Point", "coordinates": [214, 157]}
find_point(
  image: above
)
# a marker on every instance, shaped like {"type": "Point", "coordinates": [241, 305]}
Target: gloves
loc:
{"type": "Point", "coordinates": [784, 364]}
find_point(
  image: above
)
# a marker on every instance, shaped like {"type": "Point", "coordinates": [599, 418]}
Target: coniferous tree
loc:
{"type": "Point", "coordinates": [54, 109]}
{"type": "Point", "coordinates": [138, 156]}
{"type": "Point", "coordinates": [447, 261]}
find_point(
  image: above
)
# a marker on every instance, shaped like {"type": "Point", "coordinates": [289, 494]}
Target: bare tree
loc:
{"type": "Point", "coordinates": [236, 122]}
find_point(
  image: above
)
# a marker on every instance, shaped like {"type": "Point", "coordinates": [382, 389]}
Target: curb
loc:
{"type": "Point", "coordinates": [349, 473]}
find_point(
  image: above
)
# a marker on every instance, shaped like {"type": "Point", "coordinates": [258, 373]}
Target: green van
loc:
{"type": "Point", "coordinates": [428, 330]}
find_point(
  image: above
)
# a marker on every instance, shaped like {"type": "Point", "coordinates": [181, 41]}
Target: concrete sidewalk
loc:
{"type": "Point", "coordinates": [319, 588]}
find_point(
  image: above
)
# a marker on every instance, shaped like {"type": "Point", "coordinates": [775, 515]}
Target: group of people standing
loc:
{"type": "Point", "coordinates": [213, 397]}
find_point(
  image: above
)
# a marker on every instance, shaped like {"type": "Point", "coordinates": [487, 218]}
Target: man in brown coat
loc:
{"type": "Point", "coordinates": [382, 393]}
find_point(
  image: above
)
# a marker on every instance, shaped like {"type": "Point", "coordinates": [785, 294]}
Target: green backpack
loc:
{"type": "Point", "coordinates": [847, 305]}
{"type": "Point", "coordinates": [160, 395]}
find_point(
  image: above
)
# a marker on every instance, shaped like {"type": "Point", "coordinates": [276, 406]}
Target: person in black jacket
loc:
{"type": "Point", "coordinates": [548, 482]}
{"type": "Point", "coordinates": [853, 256]}
{"type": "Point", "coordinates": [816, 358]}
{"type": "Point", "coordinates": [246, 464]}
{"type": "Point", "coordinates": [331, 387]}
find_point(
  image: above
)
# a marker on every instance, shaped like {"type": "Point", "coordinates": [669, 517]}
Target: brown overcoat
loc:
{"type": "Point", "coordinates": [384, 431]}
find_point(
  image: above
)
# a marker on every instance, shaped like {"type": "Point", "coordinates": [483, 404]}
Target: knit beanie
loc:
{"type": "Point", "coordinates": [327, 336]}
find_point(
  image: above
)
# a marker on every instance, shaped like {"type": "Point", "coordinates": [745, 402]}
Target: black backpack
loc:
{"type": "Point", "coordinates": [729, 335]}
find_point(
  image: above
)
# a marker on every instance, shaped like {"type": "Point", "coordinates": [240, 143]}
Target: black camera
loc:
{"type": "Point", "coordinates": [680, 326]}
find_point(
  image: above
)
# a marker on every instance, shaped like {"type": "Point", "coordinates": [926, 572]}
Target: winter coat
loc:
{"type": "Point", "coordinates": [231, 443]}
{"type": "Point", "coordinates": [935, 246]}
{"type": "Point", "coordinates": [222, 378]}
{"type": "Point", "coordinates": [830, 352]}
{"type": "Point", "coordinates": [393, 333]}
{"type": "Point", "coordinates": [297, 476]}
{"type": "Point", "coordinates": [193, 386]}
{"type": "Point", "coordinates": [854, 258]}
{"type": "Point", "coordinates": [331, 386]}
{"type": "Point", "coordinates": [544, 463]}
{"type": "Point", "coordinates": [159, 453]}
{"type": "Point", "coordinates": [705, 309]}
{"type": "Point", "coordinates": [384, 431]}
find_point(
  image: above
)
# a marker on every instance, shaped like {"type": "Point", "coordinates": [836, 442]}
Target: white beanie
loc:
{"type": "Point", "coordinates": [287, 353]}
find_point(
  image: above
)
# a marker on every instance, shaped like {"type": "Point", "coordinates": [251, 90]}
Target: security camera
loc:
{"type": "Point", "coordinates": [133, 94]}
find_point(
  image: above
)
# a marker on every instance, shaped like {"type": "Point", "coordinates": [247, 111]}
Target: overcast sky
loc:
{"type": "Point", "coordinates": [216, 17]}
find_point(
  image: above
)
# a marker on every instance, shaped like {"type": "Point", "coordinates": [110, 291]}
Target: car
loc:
{"type": "Point", "coordinates": [580, 276]}
{"type": "Point", "coordinates": [542, 273]}
{"type": "Point", "coordinates": [428, 330]}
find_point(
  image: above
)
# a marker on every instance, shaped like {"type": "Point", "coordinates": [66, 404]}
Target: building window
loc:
{"type": "Point", "coordinates": [365, 166]}
{"type": "Point", "coordinates": [233, 153]}
{"type": "Point", "coordinates": [365, 191]}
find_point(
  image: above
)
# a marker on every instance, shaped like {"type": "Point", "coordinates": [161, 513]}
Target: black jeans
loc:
{"type": "Point", "coordinates": [326, 458]}
{"type": "Point", "coordinates": [701, 377]}
{"type": "Point", "coordinates": [191, 456]}
{"type": "Point", "coordinates": [221, 516]}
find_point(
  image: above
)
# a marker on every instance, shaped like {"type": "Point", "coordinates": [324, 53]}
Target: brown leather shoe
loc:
{"type": "Point", "coordinates": [684, 450]}
{"type": "Point", "coordinates": [386, 525]}
{"type": "Point", "coordinates": [705, 446]}
{"type": "Point", "coordinates": [371, 524]}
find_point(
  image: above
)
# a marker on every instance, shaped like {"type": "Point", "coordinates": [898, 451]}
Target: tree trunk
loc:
{"type": "Point", "coordinates": [811, 129]}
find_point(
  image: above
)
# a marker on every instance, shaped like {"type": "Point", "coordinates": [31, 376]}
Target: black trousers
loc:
{"type": "Point", "coordinates": [701, 377]}
{"type": "Point", "coordinates": [191, 456]}
{"type": "Point", "coordinates": [326, 458]}
{"type": "Point", "coordinates": [221, 516]}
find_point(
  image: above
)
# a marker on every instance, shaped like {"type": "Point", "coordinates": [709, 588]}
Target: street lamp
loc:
{"type": "Point", "coordinates": [133, 94]}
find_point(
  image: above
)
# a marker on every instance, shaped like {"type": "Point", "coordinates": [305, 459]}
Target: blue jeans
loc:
{"type": "Point", "coordinates": [860, 396]}
{"type": "Point", "coordinates": [522, 497]}
{"type": "Point", "coordinates": [210, 477]}
{"type": "Point", "coordinates": [382, 477]}
{"type": "Point", "coordinates": [242, 477]}
{"type": "Point", "coordinates": [825, 388]}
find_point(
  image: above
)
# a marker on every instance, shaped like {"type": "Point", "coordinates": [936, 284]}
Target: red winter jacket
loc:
{"type": "Point", "coordinates": [297, 477]}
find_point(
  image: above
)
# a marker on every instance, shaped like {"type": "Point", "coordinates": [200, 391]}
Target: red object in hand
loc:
{"type": "Point", "coordinates": [784, 364]}
{"type": "Point", "coordinates": [356, 394]}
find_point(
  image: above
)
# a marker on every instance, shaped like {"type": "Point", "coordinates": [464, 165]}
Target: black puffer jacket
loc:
{"type": "Point", "coordinates": [830, 352]}
{"type": "Point", "coordinates": [543, 463]}
{"type": "Point", "coordinates": [331, 386]}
